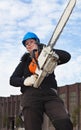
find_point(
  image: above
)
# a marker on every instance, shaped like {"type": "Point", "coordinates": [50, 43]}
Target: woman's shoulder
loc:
{"type": "Point", "coordinates": [25, 57]}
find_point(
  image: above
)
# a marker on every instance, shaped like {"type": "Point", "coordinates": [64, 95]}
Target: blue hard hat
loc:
{"type": "Point", "coordinates": [30, 35]}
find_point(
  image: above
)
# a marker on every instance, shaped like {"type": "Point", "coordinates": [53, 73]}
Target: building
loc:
{"type": "Point", "coordinates": [10, 109]}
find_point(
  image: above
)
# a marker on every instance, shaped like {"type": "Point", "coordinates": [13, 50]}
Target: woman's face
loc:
{"type": "Point", "coordinates": [31, 45]}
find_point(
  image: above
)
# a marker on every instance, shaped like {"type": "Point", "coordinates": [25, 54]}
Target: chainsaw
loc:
{"type": "Point", "coordinates": [48, 59]}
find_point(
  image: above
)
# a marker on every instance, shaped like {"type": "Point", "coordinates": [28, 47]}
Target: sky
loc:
{"type": "Point", "coordinates": [17, 17]}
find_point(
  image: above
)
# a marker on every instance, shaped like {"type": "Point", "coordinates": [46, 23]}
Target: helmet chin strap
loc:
{"type": "Point", "coordinates": [37, 42]}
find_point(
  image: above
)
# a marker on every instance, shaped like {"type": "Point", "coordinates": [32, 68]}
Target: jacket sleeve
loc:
{"type": "Point", "coordinates": [64, 56]}
{"type": "Point", "coordinates": [16, 78]}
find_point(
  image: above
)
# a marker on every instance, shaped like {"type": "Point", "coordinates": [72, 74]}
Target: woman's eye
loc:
{"type": "Point", "coordinates": [31, 41]}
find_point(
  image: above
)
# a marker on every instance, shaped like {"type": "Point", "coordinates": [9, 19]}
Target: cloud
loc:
{"type": "Point", "coordinates": [70, 72]}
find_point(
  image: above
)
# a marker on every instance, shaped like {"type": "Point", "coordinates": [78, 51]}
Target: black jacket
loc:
{"type": "Point", "coordinates": [22, 71]}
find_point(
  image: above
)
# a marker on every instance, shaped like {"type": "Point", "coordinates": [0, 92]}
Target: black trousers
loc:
{"type": "Point", "coordinates": [36, 102]}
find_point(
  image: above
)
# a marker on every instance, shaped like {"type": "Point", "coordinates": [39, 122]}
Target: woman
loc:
{"type": "Point", "coordinates": [44, 99]}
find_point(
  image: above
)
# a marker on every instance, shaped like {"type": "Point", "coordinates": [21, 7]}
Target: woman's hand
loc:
{"type": "Point", "coordinates": [29, 81]}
